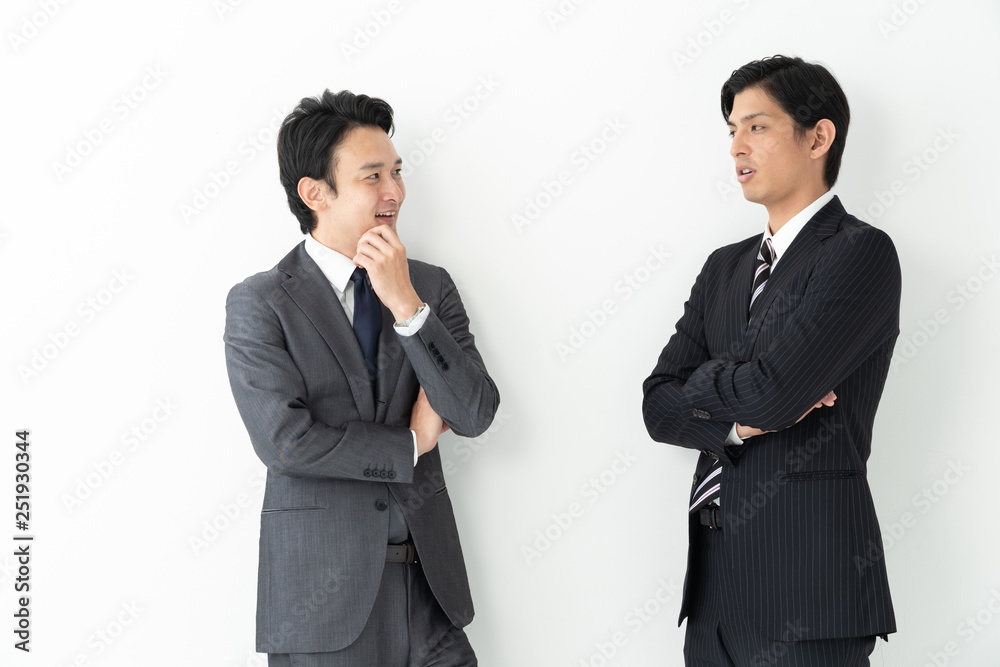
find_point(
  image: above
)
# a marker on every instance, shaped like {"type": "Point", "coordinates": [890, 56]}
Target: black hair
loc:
{"type": "Point", "coordinates": [309, 138]}
{"type": "Point", "coordinates": [805, 91]}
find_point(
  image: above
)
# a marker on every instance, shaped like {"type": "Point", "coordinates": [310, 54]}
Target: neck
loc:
{"type": "Point", "coordinates": [332, 241]}
{"type": "Point", "coordinates": [780, 213]}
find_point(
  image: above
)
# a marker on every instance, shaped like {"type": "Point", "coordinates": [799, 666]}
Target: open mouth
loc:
{"type": "Point", "coordinates": [388, 216]}
{"type": "Point", "coordinates": [744, 174]}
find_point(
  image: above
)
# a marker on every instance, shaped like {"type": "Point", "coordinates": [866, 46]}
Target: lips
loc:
{"type": "Point", "coordinates": [386, 216]}
{"type": "Point", "coordinates": [744, 174]}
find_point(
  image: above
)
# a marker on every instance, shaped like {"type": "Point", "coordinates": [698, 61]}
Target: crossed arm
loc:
{"type": "Point", "coordinates": [849, 307]}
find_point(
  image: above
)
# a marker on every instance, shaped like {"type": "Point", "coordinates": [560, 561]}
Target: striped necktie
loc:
{"type": "Point", "coordinates": [765, 257]}
{"type": "Point", "coordinates": [710, 486]}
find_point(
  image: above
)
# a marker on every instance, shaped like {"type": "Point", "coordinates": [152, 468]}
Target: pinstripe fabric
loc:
{"type": "Point", "coordinates": [717, 635]}
{"type": "Point", "coordinates": [798, 513]}
{"type": "Point", "coordinates": [709, 487]}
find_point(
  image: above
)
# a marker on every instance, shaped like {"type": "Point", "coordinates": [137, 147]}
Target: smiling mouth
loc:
{"type": "Point", "coordinates": [387, 214]}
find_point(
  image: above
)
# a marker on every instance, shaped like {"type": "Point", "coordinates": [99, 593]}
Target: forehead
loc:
{"type": "Point", "coordinates": [365, 145]}
{"type": "Point", "coordinates": [752, 101]}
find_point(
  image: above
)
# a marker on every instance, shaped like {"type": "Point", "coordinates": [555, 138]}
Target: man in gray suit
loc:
{"type": "Point", "coordinates": [347, 361]}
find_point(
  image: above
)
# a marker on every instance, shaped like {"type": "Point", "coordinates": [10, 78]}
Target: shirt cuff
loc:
{"type": "Point", "coordinates": [412, 325]}
{"type": "Point", "coordinates": [415, 450]}
{"type": "Point", "coordinates": [732, 438]}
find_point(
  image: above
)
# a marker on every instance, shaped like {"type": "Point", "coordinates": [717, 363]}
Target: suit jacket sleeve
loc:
{"type": "Point", "coordinates": [447, 364]}
{"type": "Point", "coordinates": [848, 309]}
{"type": "Point", "coordinates": [663, 390]}
{"type": "Point", "coordinates": [272, 399]}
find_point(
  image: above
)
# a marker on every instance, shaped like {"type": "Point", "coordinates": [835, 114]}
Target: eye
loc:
{"type": "Point", "coordinates": [397, 172]}
{"type": "Point", "coordinates": [732, 133]}
{"type": "Point", "coordinates": [372, 177]}
{"type": "Point", "coordinates": [756, 127]}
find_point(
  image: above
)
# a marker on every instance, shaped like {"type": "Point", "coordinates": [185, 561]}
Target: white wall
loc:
{"type": "Point", "coordinates": [532, 91]}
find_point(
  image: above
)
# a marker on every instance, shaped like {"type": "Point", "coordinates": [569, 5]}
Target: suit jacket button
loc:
{"type": "Point", "coordinates": [381, 505]}
{"type": "Point", "coordinates": [392, 474]}
{"type": "Point", "coordinates": [368, 472]}
{"type": "Point", "coordinates": [444, 366]}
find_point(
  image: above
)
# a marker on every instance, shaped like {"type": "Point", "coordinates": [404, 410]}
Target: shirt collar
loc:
{"type": "Point", "coordinates": [783, 239]}
{"type": "Point", "coordinates": [336, 267]}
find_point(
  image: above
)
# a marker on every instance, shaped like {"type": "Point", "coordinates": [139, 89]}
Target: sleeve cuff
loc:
{"type": "Point", "coordinates": [732, 438]}
{"type": "Point", "coordinates": [412, 325]}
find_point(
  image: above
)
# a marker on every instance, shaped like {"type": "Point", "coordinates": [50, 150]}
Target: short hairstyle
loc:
{"type": "Point", "coordinates": [309, 138]}
{"type": "Point", "coordinates": [805, 91]}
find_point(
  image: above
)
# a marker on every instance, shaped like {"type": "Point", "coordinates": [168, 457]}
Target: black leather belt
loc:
{"type": "Point", "coordinates": [711, 517]}
{"type": "Point", "coordinates": [401, 553]}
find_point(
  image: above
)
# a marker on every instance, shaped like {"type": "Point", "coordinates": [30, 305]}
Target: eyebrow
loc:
{"type": "Point", "coordinates": [378, 165]}
{"type": "Point", "coordinates": [746, 118]}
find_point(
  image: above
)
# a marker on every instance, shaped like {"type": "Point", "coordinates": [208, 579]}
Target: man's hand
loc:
{"type": "Point", "coordinates": [426, 424]}
{"type": "Point", "coordinates": [749, 431]}
{"type": "Point", "coordinates": [381, 253]}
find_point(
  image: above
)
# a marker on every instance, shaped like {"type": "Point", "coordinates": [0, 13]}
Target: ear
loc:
{"type": "Point", "coordinates": [313, 193]}
{"type": "Point", "coordinates": [823, 134]}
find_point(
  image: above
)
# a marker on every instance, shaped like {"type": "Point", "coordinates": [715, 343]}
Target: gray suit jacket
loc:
{"type": "Point", "coordinates": [334, 452]}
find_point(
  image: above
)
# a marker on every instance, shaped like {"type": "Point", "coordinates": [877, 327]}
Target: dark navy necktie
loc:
{"type": "Point", "coordinates": [367, 319]}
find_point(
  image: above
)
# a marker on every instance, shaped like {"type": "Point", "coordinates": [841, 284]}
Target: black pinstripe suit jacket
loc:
{"type": "Point", "coordinates": [800, 526]}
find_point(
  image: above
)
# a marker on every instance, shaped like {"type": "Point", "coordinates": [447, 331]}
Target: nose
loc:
{"type": "Point", "coordinates": [738, 146]}
{"type": "Point", "coordinates": [392, 189]}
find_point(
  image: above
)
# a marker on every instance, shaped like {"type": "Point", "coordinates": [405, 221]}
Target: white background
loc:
{"type": "Point", "coordinates": [516, 90]}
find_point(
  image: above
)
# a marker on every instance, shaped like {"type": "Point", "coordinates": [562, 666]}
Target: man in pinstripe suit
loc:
{"type": "Point", "coordinates": [775, 373]}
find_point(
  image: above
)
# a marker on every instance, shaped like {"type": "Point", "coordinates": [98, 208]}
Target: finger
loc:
{"type": "Point", "coordinates": [386, 232]}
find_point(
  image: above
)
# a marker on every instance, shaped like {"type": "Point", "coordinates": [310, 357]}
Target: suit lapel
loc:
{"type": "Point", "coordinates": [311, 291]}
{"type": "Point", "coordinates": [820, 227]}
{"type": "Point", "coordinates": [390, 360]}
